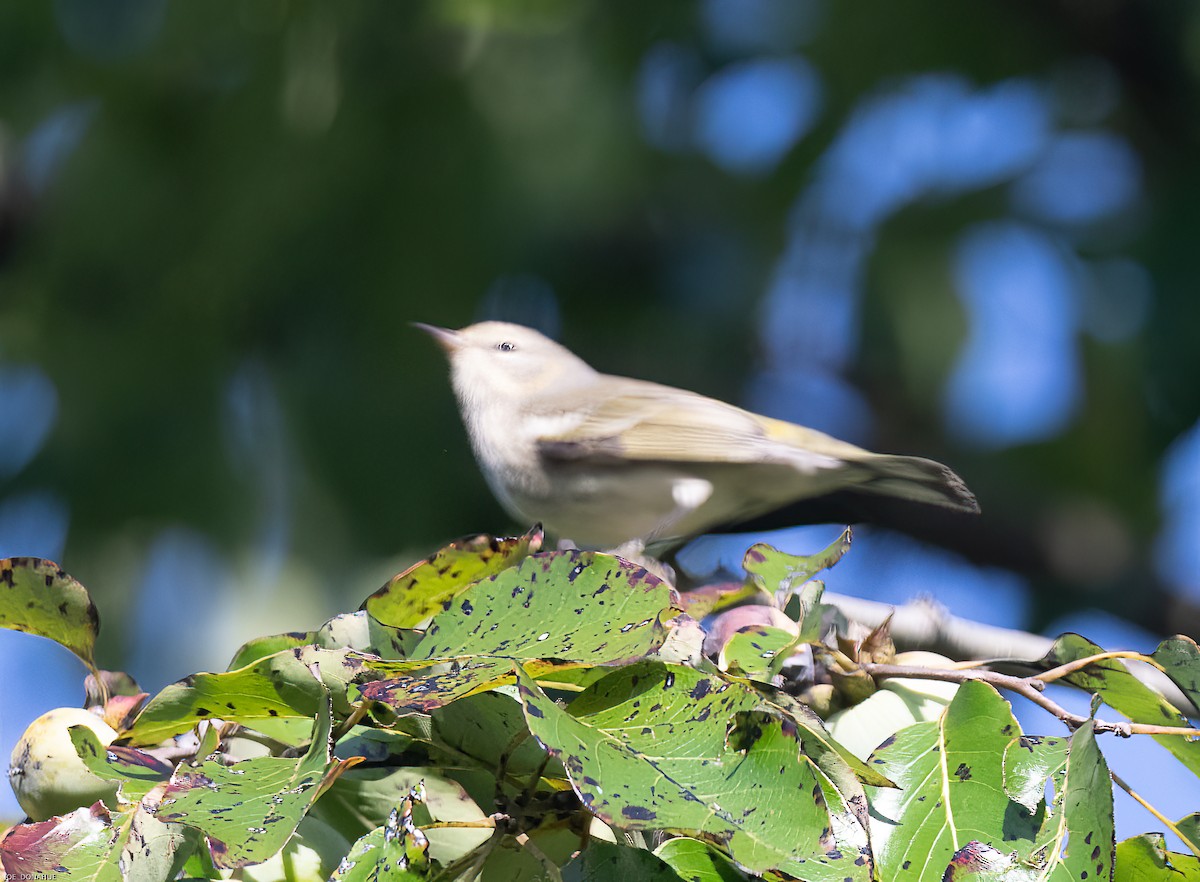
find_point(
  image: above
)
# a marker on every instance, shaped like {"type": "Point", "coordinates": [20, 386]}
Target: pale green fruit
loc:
{"type": "Point", "coordinates": [898, 703]}
{"type": "Point", "coordinates": [47, 774]}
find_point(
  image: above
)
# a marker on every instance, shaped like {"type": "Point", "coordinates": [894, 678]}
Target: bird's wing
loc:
{"type": "Point", "coordinates": [648, 422]}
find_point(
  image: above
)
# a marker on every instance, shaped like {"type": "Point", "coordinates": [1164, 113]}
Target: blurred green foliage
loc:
{"type": "Point", "coordinates": [273, 189]}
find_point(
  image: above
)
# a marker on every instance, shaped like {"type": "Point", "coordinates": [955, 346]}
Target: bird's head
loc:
{"type": "Point", "coordinates": [498, 361]}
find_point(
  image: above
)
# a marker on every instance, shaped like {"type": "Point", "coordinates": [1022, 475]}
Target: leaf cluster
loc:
{"type": "Point", "coordinates": [497, 712]}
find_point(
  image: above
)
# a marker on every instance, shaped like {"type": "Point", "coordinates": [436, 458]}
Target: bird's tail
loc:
{"type": "Point", "coordinates": [911, 477]}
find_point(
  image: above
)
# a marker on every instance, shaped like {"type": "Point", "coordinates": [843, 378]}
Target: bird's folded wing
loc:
{"type": "Point", "coordinates": [655, 423]}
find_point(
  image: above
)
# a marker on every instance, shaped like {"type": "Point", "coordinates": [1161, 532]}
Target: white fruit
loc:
{"type": "Point", "coordinates": [47, 774]}
{"type": "Point", "coordinates": [899, 702]}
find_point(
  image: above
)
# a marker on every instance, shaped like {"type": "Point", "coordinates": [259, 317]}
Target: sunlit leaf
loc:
{"type": "Point", "coordinates": [96, 845]}
{"type": "Point", "coordinates": [138, 772]}
{"type": "Point", "coordinates": [757, 651]}
{"type": "Point", "coordinates": [277, 688]}
{"type": "Point", "coordinates": [949, 775]}
{"type": "Point", "coordinates": [1077, 841]}
{"type": "Point", "coordinates": [1029, 762]}
{"type": "Point", "coordinates": [1122, 691]}
{"type": "Point", "coordinates": [655, 746]}
{"type": "Point", "coordinates": [426, 588]}
{"type": "Point", "coordinates": [248, 810]}
{"type": "Point", "coordinates": [573, 606]}
{"type": "Point", "coordinates": [781, 573]}
{"type": "Point", "coordinates": [37, 597]}
{"type": "Point", "coordinates": [395, 852]}
{"type": "Point", "coordinates": [1145, 858]}
{"type": "Point", "coordinates": [698, 861]}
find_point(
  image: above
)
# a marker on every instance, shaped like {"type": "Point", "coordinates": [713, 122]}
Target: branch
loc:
{"type": "Point", "coordinates": [1028, 687]}
{"type": "Point", "coordinates": [923, 624]}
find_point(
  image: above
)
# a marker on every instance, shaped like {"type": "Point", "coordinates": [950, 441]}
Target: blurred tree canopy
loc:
{"type": "Point", "coordinates": [218, 219]}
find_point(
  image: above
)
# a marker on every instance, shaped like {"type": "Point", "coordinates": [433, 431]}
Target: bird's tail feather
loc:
{"type": "Point", "coordinates": [921, 480]}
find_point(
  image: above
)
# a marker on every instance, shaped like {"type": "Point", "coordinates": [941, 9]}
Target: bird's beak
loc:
{"type": "Point", "coordinates": [444, 337]}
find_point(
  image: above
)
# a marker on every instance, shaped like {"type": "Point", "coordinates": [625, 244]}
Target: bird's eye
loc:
{"type": "Point", "coordinates": [506, 346]}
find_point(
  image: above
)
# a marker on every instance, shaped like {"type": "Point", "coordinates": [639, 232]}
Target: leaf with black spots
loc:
{"type": "Point", "coordinates": [949, 776]}
{"type": "Point", "coordinates": [137, 771]}
{"type": "Point", "coordinates": [426, 588]}
{"type": "Point", "coordinates": [396, 852]}
{"type": "Point", "coordinates": [248, 810]}
{"type": "Point", "coordinates": [1123, 692]}
{"type": "Point", "coordinates": [276, 689]}
{"type": "Point", "coordinates": [780, 573]}
{"type": "Point", "coordinates": [570, 606]}
{"type": "Point", "coordinates": [1029, 762]}
{"type": "Point", "coordinates": [665, 747]}
{"type": "Point", "coordinates": [97, 845]}
{"type": "Point", "coordinates": [37, 597]}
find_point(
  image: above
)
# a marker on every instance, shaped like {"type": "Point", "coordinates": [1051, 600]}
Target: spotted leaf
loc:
{"type": "Point", "coordinates": [137, 771]}
{"type": "Point", "coordinates": [396, 852]}
{"type": "Point", "coordinates": [97, 845]}
{"type": "Point", "coordinates": [426, 588]}
{"type": "Point", "coordinates": [780, 573]}
{"type": "Point", "coordinates": [948, 773]}
{"type": "Point", "coordinates": [656, 746]}
{"type": "Point", "coordinates": [278, 688]}
{"type": "Point", "coordinates": [248, 810]}
{"type": "Point", "coordinates": [572, 606]}
{"type": "Point", "coordinates": [1122, 691]}
{"type": "Point", "coordinates": [37, 597]}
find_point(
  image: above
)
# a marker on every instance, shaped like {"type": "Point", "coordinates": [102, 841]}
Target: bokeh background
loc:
{"type": "Point", "coordinates": [965, 231]}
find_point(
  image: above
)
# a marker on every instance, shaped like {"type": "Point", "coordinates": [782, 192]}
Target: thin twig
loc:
{"type": "Point", "coordinates": [1068, 668]}
{"type": "Point", "coordinates": [1027, 687]}
{"type": "Point", "coordinates": [923, 624]}
{"type": "Point", "coordinates": [1191, 846]}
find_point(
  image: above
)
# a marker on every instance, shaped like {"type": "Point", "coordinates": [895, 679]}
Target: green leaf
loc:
{"type": "Point", "coordinates": [656, 746]}
{"type": "Point", "coordinates": [138, 772]}
{"type": "Point", "coordinates": [83, 842]}
{"type": "Point", "coordinates": [248, 810]}
{"type": "Point", "coordinates": [834, 758]}
{"type": "Point", "coordinates": [490, 729]}
{"type": "Point", "coordinates": [573, 606]}
{"type": "Point", "coordinates": [950, 779]}
{"type": "Point", "coordinates": [605, 861]}
{"type": "Point", "coordinates": [275, 689]}
{"type": "Point", "coordinates": [1077, 841]}
{"type": "Point", "coordinates": [37, 597]}
{"type": "Point", "coordinates": [1029, 762]}
{"type": "Point", "coordinates": [95, 845]}
{"type": "Point", "coordinates": [396, 852]}
{"type": "Point", "coordinates": [1180, 659]}
{"type": "Point", "coordinates": [697, 861]}
{"type": "Point", "coordinates": [780, 573]}
{"type": "Point", "coordinates": [1122, 691]}
{"type": "Point", "coordinates": [1145, 859]}
{"type": "Point", "coordinates": [262, 647]}
{"type": "Point", "coordinates": [362, 799]}
{"type": "Point", "coordinates": [757, 651]}
{"type": "Point", "coordinates": [426, 588]}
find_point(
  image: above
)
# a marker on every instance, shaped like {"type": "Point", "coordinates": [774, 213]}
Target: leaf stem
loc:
{"type": "Point", "coordinates": [1027, 687]}
{"type": "Point", "coordinates": [1192, 847]}
{"type": "Point", "coordinates": [1071, 667]}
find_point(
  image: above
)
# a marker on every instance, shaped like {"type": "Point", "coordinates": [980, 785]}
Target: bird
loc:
{"type": "Point", "coordinates": [604, 460]}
